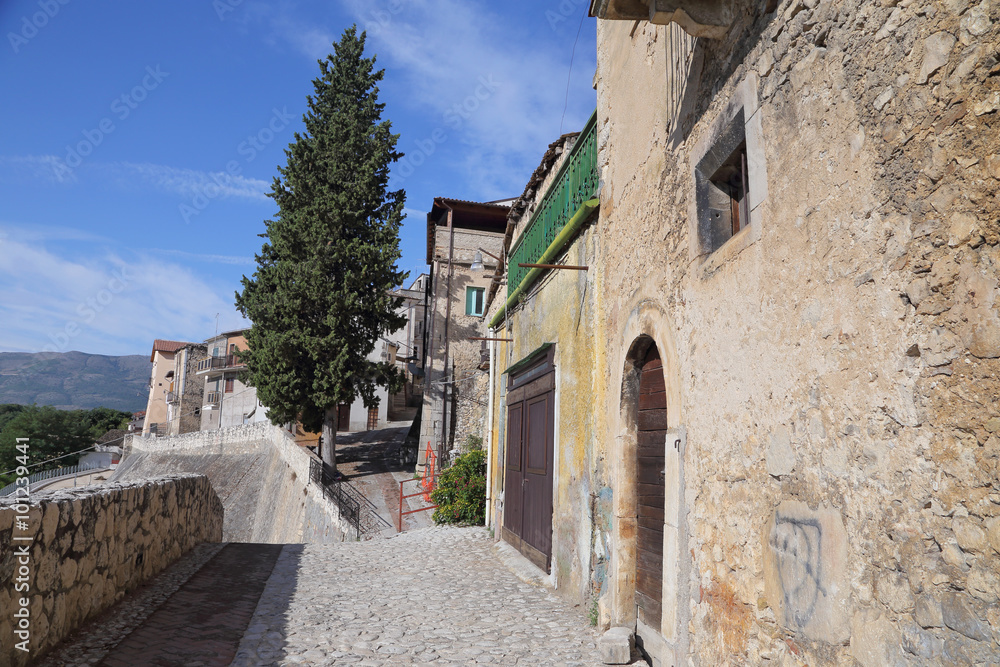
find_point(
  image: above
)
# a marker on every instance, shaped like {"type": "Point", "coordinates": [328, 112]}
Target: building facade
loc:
{"type": "Point", "coordinates": [227, 400]}
{"type": "Point", "coordinates": [186, 394]}
{"type": "Point", "coordinates": [160, 385]}
{"type": "Point", "coordinates": [768, 404]}
{"type": "Point", "coordinates": [458, 232]}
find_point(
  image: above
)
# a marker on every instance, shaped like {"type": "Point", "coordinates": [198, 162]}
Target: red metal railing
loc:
{"type": "Point", "coordinates": [427, 482]}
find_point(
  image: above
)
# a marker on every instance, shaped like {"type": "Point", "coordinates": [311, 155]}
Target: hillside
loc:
{"type": "Point", "coordinates": [75, 380]}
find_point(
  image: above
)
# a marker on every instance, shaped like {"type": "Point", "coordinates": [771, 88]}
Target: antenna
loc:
{"type": "Point", "coordinates": [216, 325]}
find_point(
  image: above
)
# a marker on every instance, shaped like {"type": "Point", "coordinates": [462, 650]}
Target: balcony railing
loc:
{"type": "Point", "coordinates": [219, 363]}
{"type": "Point", "coordinates": [575, 183]}
{"type": "Point", "coordinates": [213, 397]}
{"type": "Point", "coordinates": [172, 397]}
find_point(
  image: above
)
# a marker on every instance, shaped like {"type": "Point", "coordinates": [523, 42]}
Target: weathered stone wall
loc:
{"type": "Point", "coordinates": [464, 417]}
{"type": "Point", "coordinates": [835, 365]}
{"type": "Point", "coordinates": [260, 475]}
{"type": "Point", "coordinates": [190, 388]}
{"type": "Point", "coordinates": [93, 545]}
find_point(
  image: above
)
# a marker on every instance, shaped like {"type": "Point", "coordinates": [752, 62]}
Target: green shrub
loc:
{"type": "Point", "coordinates": [461, 491]}
{"type": "Point", "coordinates": [472, 443]}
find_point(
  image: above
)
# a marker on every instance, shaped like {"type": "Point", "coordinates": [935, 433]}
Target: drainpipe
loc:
{"type": "Point", "coordinates": [446, 387]}
{"type": "Point", "coordinates": [430, 312]}
{"type": "Point", "coordinates": [489, 431]}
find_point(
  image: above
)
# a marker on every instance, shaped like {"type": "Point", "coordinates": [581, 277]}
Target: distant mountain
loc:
{"type": "Point", "coordinates": [75, 380]}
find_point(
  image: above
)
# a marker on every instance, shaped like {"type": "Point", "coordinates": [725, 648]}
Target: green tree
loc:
{"type": "Point", "coordinates": [50, 433]}
{"type": "Point", "coordinates": [101, 420]}
{"type": "Point", "coordinates": [319, 299]}
{"type": "Point", "coordinates": [8, 411]}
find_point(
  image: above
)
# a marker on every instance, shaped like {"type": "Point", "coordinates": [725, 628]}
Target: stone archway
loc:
{"type": "Point", "coordinates": [649, 335]}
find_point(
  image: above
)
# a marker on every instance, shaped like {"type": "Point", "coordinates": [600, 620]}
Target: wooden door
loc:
{"type": "Point", "coordinates": [344, 417]}
{"type": "Point", "coordinates": [514, 480]}
{"type": "Point", "coordinates": [537, 498]}
{"type": "Point", "coordinates": [529, 464]}
{"type": "Point", "coordinates": [652, 433]}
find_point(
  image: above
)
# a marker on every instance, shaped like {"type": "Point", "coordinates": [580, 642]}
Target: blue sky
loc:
{"type": "Point", "coordinates": [138, 142]}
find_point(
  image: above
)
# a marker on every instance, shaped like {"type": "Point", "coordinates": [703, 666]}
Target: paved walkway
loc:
{"type": "Point", "coordinates": [369, 461]}
{"type": "Point", "coordinates": [436, 596]}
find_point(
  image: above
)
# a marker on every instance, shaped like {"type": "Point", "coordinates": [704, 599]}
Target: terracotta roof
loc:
{"type": "Point", "coordinates": [476, 203]}
{"type": "Point", "coordinates": [160, 345]}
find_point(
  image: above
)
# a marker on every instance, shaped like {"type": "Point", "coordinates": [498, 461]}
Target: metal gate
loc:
{"type": "Point", "coordinates": [527, 522]}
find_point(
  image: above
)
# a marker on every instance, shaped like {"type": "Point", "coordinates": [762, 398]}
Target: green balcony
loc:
{"type": "Point", "coordinates": [575, 183]}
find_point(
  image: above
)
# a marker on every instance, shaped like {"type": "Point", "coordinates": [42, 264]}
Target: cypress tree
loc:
{"type": "Point", "coordinates": [320, 299]}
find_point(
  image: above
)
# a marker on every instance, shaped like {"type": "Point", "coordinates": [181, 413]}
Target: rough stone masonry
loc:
{"type": "Point", "coordinates": [836, 365]}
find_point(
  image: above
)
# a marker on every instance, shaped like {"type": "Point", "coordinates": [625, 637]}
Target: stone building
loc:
{"type": "Point", "coordinates": [160, 385]}
{"type": "Point", "coordinates": [458, 232]}
{"type": "Point", "coordinates": [410, 341]}
{"type": "Point", "coordinates": [768, 406]}
{"type": "Point", "coordinates": [184, 399]}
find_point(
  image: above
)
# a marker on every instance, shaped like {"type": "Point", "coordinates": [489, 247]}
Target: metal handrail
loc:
{"type": "Point", "coordinates": [357, 510]}
{"type": "Point", "coordinates": [220, 362]}
{"type": "Point", "coordinates": [575, 183]}
{"type": "Point", "coordinates": [50, 473]}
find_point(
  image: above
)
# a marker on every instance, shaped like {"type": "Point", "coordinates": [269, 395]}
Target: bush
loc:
{"type": "Point", "coordinates": [472, 443]}
{"type": "Point", "coordinates": [461, 491]}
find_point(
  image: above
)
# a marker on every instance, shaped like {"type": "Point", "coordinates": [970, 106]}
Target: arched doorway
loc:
{"type": "Point", "coordinates": [651, 434]}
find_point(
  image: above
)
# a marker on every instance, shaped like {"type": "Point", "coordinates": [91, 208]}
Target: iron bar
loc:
{"type": "Point", "coordinates": [552, 266]}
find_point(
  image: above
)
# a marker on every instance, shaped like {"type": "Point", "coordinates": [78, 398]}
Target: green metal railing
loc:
{"type": "Point", "coordinates": [575, 183]}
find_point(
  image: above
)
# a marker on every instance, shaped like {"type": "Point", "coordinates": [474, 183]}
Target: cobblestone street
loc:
{"type": "Point", "coordinates": [438, 596]}
{"type": "Point", "coordinates": [432, 596]}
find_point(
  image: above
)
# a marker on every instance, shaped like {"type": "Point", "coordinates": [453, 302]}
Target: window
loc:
{"type": "Point", "coordinates": [474, 301]}
{"type": "Point", "coordinates": [229, 385]}
{"type": "Point", "coordinates": [733, 189]}
{"type": "Point", "coordinates": [723, 187]}
{"type": "Point", "coordinates": [730, 180]}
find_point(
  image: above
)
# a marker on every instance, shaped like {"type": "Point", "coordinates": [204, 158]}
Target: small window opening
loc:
{"type": "Point", "coordinates": [474, 301]}
{"type": "Point", "coordinates": [722, 187]}
{"type": "Point", "coordinates": [729, 194]}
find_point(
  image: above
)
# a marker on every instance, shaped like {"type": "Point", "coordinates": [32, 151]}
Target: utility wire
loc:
{"type": "Point", "coordinates": [570, 73]}
{"type": "Point", "coordinates": [105, 444]}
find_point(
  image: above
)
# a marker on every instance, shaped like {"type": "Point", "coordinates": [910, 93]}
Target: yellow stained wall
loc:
{"type": "Point", "coordinates": [560, 309]}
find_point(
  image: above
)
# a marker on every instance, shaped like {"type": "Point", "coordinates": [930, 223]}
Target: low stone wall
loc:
{"type": "Point", "coordinates": [89, 547]}
{"type": "Point", "coordinates": [260, 474]}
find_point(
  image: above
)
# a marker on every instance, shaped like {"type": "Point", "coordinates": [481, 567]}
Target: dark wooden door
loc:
{"type": "Point", "coordinates": [652, 433]}
{"type": "Point", "coordinates": [527, 521]}
{"type": "Point", "coordinates": [343, 417]}
{"type": "Point", "coordinates": [539, 435]}
{"type": "Point", "coordinates": [514, 482]}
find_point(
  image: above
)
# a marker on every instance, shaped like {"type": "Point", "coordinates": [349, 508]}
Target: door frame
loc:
{"type": "Point", "coordinates": [646, 323]}
{"type": "Point", "coordinates": [533, 376]}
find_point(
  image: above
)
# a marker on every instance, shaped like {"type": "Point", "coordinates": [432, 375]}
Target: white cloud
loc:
{"type": "Point", "coordinates": [496, 90]}
{"type": "Point", "coordinates": [498, 93]}
{"type": "Point", "coordinates": [106, 304]}
{"type": "Point", "coordinates": [25, 168]}
{"type": "Point", "coordinates": [233, 260]}
{"type": "Point", "coordinates": [129, 175]}
{"type": "Point", "coordinates": [188, 182]}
